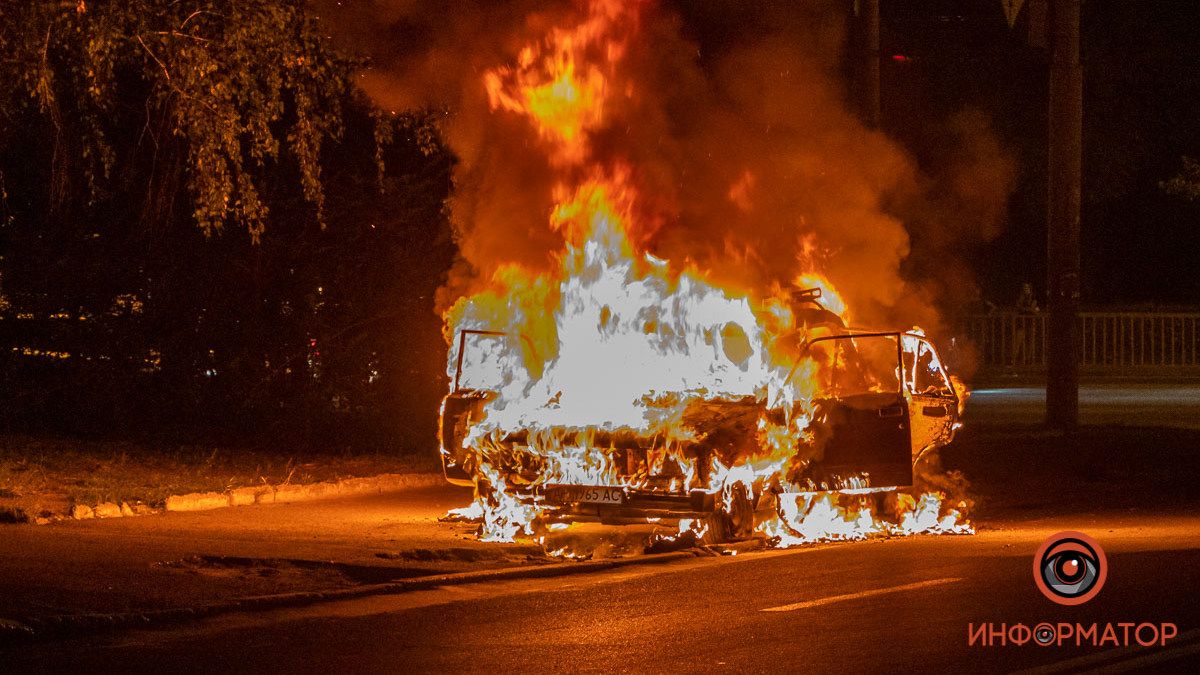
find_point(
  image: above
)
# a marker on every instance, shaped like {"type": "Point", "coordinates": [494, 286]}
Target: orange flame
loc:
{"type": "Point", "coordinates": [558, 87]}
{"type": "Point", "coordinates": [615, 341]}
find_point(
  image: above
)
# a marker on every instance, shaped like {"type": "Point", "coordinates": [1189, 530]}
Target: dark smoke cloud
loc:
{"type": "Point", "coordinates": [734, 120]}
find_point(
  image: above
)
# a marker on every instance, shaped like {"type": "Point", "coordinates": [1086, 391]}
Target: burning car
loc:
{"type": "Point", "coordinates": [884, 402]}
{"type": "Point", "coordinates": [610, 374]}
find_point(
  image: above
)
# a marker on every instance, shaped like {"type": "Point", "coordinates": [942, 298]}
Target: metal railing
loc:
{"type": "Point", "coordinates": [1117, 340]}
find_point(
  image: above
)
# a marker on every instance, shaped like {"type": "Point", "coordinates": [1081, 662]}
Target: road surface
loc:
{"type": "Point", "coordinates": [849, 606]}
{"type": "Point", "coordinates": [1132, 404]}
{"type": "Point", "coordinates": [858, 606]}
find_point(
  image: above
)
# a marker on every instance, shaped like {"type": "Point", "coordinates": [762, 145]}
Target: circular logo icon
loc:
{"type": "Point", "coordinates": [1044, 634]}
{"type": "Point", "coordinates": [1070, 568]}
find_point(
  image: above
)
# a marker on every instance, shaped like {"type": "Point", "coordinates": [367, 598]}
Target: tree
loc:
{"type": "Point", "coordinates": [233, 87]}
{"type": "Point", "coordinates": [243, 247]}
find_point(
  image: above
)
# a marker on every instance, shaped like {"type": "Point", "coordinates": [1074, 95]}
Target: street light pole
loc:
{"type": "Point", "coordinates": [869, 18]}
{"type": "Point", "coordinates": [1062, 239]}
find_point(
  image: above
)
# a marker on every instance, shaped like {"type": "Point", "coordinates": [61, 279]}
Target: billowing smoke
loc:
{"type": "Point", "coordinates": [734, 121]}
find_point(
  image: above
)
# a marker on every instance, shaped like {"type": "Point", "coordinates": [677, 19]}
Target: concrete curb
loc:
{"type": "Point", "coordinates": [270, 494]}
{"type": "Point", "coordinates": [243, 496]}
{"type": "Point", "coordinates": [72, 625]}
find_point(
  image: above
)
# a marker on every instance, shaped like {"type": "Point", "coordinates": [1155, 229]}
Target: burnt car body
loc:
{"type": "Point", "coordinates": [891, 403]}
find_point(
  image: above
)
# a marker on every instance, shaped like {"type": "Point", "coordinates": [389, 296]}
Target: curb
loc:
{"type": "Point", "coordinates": [271, 494]}
{"type": "Point", "coordinates": [73, 625]}
{"type": "Point", "coordinates": [243, 496]}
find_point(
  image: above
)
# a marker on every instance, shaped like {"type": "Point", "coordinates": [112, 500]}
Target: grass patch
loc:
{"type": "Point", "coordinates": [36, 470]}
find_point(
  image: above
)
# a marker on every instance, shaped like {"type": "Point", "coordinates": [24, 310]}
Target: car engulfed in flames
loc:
{"type": "Point", "coordinates": [602, 382]}
{"type": "Point", "coordinates": [670, 400]}
{"type": "Point", "coordinates": [717, 466]}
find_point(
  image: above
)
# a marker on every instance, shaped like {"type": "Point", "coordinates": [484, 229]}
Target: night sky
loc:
{"type": "Point", "coordinates": [1141, 99]}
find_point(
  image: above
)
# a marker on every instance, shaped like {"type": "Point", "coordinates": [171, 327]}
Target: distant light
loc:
{"type": "Point", "coordinates": [900, 58]}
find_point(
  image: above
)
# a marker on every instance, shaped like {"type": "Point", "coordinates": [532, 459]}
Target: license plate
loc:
{"type": "Point", "coordinates": [587, 494]}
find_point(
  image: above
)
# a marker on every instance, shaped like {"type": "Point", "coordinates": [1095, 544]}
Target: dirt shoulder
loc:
{"type": "Point", "coordinates": [46, 477]}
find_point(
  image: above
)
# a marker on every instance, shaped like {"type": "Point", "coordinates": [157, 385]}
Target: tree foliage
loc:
{"type": "Point", "coordinates": [130, 134]}
{"type": "Point", "coordinates": [236, 87]}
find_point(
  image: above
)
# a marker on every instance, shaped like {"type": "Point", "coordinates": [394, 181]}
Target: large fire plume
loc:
{"type": "Point", "coordinates": [612, 341]}
{"type": "Point", "coordinates": [636, 218]}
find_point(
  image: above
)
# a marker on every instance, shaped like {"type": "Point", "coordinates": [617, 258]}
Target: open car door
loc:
{"type": "Point", "coordinates": [933, 401]}
{"type": "Point", "coordinates": [864, 409]}
{"type": "Point", "coordinates": [477, 376]}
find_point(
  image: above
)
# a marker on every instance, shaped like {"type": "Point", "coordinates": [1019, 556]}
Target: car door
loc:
{"type": "Point", "coordinates": [478, 373]}
{"type": "Point", "coordinates": [933, 403]}
{"type": "Point", "coordinates": [862, 410]}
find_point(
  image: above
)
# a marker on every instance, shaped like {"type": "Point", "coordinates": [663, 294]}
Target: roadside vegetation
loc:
{"type": "Point", "coordinates": [209, 235]}
{"type": "Point", "coordinates": [40, 474]}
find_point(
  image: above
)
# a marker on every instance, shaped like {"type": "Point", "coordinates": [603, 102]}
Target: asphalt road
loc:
{"type": "Point", "coordinates": [859, 606]}
{"type": "Point", "coordinates": [1133, 404]}
{"type": "Point", "coordinates": [189, 559]}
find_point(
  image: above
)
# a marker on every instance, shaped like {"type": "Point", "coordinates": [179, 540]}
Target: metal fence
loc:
{"type": "Point", "coordinates": [1108, 340]}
